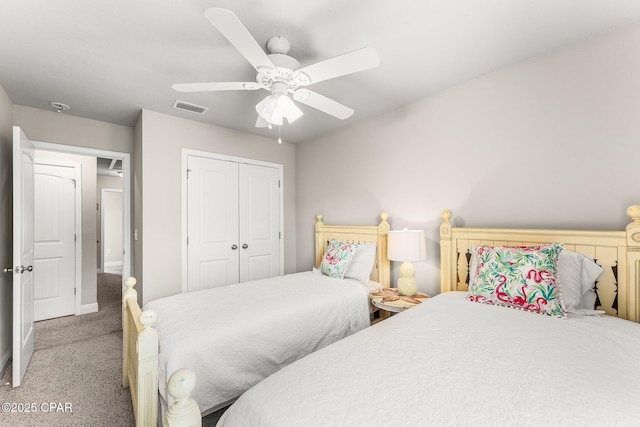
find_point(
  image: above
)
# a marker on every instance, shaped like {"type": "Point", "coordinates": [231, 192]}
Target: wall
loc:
{"type": "Point", "coordinates": [90, 233]}
{"type": "Point", "coordinates": [6, 226]}
{"type": "Point", "coordinates": [162, 139]}
{"type": "Point", "coordinates": [61, 128]}
{"type": "Point", "coordinates": [551, 142]}
{"type": "Point", "coordinates": [104, 181]}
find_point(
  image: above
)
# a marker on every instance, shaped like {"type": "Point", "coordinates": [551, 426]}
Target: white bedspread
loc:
{"type": "Point", "coordinates": [454, 362]}
{"type": "Point", "coordinates": [232, 337]}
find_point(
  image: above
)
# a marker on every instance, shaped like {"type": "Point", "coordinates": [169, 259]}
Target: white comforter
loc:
{"type": "Point", "coordinates": [232, 337]}
{"type": "Point", "coordinates": [454, 362]}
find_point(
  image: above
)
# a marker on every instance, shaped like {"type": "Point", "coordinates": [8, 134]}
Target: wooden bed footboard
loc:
{"type": "Point", "coordinates": [140, 369]}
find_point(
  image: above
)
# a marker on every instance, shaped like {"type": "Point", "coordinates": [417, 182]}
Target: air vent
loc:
{"type": "Point", "coordinates": [193, 108]}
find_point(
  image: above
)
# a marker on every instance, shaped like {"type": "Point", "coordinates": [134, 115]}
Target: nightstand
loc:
{"type": "Point", "coordinates": [387, 299]}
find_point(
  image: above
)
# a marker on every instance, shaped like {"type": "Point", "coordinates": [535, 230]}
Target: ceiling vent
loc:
{"type": "Point", "coordinates": [193, 108]}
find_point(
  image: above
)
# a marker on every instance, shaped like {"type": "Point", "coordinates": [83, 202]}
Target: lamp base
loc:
{"type": "Point", "coordinates": [406, 282]}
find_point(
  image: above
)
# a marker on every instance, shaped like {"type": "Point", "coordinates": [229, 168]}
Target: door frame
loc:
{"type": "Point", "coordinates": [77, 167]}
{"type": "Point", "coordinates": [102, 193]}
{"type": "Point", "coordinates": [127, 243]}
{"type": "Point", "coordinates": [186, 152]}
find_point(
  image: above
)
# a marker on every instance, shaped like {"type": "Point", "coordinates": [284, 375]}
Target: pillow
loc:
{"type": "Point", "coordinates": [590, 273]}
{"type": "Point", "coordinates": [362, 262]}
{"type": "Point", "coordinates": [577, 274]}
{"type": "Point", "coordinates": [523, 277]}
{"type": "Point", "coordinates": [337, 258]}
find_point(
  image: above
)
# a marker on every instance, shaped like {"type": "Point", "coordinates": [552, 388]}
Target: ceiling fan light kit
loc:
{"type": "Point", "coordinates": [280, 74]}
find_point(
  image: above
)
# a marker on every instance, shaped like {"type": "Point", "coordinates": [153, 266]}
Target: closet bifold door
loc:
{"type": "Point", "coordinates": [259, 222]}
{"type": "Point", "coordinates": [212, 223]}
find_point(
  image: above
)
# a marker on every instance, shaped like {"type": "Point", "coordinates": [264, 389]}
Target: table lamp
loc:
{"type": "Point", "coordinates": [406, 246]}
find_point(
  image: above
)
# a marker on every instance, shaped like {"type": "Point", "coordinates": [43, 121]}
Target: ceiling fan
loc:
{"type": "Point", "coordinates": [281, 74]}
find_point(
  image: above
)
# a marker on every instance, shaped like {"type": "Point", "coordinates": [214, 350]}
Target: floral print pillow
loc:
{"type": "Point", "coordinates": [337, 258]}
{"type": "Point", "coordinates": [523, 277]}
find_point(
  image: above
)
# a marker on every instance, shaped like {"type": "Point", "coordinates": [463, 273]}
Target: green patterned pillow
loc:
{"type": "Point", "coordinates": [523, 277]}
{"type": "Point", "coordinates": [337, 258]}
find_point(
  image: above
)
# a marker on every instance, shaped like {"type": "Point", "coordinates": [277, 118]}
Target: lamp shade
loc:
{"type": "Point", "coordinates": [406, 245]}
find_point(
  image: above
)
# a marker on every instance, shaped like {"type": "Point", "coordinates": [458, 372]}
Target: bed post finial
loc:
{"type": "Point", "coordinates": [319, 222]}
{"type": "Point", "coordinates": [383, 227]}
{"type": "Point", "coordinates": [184, 411]}
{"type": "Point", "coordinates": [446, 215]}
{"type": "Point", "coordinates": [634, 213]}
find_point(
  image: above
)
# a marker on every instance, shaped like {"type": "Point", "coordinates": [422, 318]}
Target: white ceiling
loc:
{"type": "Point", "coordinates": [108, 59]}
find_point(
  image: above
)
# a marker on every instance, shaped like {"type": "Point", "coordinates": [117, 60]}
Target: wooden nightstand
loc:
{"type": "Point", "coordinates": [387, 299]}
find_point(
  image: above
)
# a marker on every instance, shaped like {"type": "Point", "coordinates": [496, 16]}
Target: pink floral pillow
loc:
{"type": "Point", "coordinates": [523, 277]}
{"type": "Point", "coordinates": [337, 258]}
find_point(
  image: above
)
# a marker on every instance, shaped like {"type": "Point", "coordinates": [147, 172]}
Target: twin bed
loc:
{"type": "Point", "coordinates": [234, 336]}
{"type": "Point", "coordinates": [454, 361]}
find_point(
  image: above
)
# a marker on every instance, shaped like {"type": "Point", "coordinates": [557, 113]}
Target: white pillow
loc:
{"type": "Point", "coordinates": [362, 262]}
{"type": "Point", "coordinates": [577, 275]}
{"type": "Point", "coordinates": [590, 273]}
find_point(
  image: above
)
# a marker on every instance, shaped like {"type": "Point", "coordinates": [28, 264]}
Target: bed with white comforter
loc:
{"type": "Point", "coordinates": [450, 361]}
{"type": "Point", "coordinates": [234, 336]}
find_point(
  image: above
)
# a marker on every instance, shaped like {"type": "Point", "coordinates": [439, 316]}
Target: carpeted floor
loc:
{"type": "Point", "coordinates": [75, 375]}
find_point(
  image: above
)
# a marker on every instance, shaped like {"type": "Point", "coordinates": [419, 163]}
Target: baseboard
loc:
{"type": "Point", "coordinates": [4, 362]}
{"type": "Point", "coordinates": [113, 264]}
{"type": "Point", "coordinates": [88, 308]}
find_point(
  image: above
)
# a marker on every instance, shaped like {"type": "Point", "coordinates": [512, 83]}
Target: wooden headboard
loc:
{"type": "Point", "coordinates": [617, 252]}
{"type": "Point", "coordinates": [358, 234]}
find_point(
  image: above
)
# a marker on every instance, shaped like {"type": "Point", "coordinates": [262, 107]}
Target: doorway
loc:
{"type": "Point", "coordinates": [110, 250]}
{"type": "Point", "coordinates": [122, 167]}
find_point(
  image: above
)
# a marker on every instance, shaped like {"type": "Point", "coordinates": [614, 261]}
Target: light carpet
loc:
{"type": "Point", "coordinates": [75, 375]}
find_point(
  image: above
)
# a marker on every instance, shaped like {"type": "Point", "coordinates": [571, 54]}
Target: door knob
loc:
{"type": "Point", "coordinates": [8, 270]}
{"type": "Point", "coordinates": [245, 246]}
{"type": "Point", "coordinates": [23, 268]}
{"type": "Point", "coordinates": [234, 247]}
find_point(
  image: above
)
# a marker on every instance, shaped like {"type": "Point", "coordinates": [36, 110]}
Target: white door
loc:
{"type": "Point", "coordinates": [259, 222]}
{"type": "Point", "coordinates": [54, 241]}
{"type": "Point", "coordinates": [23, 199]}
{"type": "Point", "coordinates": [212, 223]}
{"type": "Point", "coordinates": [112, 232]}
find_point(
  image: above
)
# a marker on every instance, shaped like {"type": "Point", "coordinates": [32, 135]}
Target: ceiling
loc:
{"type": "Point", "coordinates": [108, 59]}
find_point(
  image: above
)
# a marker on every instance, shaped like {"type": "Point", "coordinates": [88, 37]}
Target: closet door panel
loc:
{"type": "Point", "coordinates": [259, 222]}
{"type": "Point", "coordinates": [212, 209]}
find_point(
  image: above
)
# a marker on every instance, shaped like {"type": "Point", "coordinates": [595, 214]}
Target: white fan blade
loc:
{"type": "Point", "coordinates": [232, 29]}
{"type": "Point", "coordinates": [322, 103]}
{"type": "Point", "coordinates": [352, 62]}
{"type": "Point", "coordinates": [214, 86]}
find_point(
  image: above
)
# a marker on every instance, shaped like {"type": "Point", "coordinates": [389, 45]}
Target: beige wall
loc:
{"type": "Point", "coordinates": [161, 142]}
{"type": "Point", "coordinates": [61, 128]}
{"type": "Point", "coordinates": [6, 229]}
{"type": "Point", "coordinates": [551, 142]}
{"type": "Point", "coordinates": [138, 272]}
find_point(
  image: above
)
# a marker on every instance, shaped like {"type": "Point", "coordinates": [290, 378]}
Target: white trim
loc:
{"type": "Point", "coordinates": [186, 152]}
{"type": "Point", "coordinates": [88, 308]}
{"type": "Point", "coordinates": [126, 188]}
{"type": "Point", "coordinates": [77, 168]}
{"type": "Point", "coordinates": [113, 264]}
